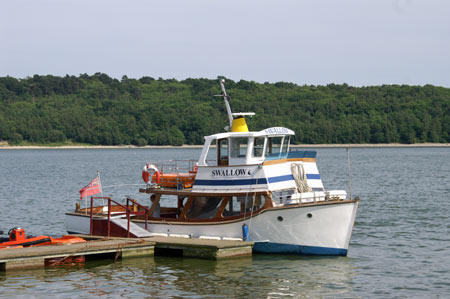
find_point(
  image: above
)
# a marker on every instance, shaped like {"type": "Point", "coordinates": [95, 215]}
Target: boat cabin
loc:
{"type": "Point", "coordinates": [182, 206]}
{"type": "Point", "coordinates": [244, 148]}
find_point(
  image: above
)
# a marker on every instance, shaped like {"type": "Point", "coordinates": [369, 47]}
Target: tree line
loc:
{"type": "Point", "coordinates": [100, 110]}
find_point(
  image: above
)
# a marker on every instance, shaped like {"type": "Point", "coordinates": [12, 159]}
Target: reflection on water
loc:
{"type": "Point", "coordinates": [260, 276]}
{"type": "Point", "coordinates": [400, 245]}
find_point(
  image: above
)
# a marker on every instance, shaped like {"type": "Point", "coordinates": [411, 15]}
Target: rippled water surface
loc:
{"type": "Point", "coordinates": [400, 245]}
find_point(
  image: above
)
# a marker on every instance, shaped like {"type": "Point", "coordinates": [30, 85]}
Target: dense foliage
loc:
{"type": "Point", "coordinates": [98, 109]}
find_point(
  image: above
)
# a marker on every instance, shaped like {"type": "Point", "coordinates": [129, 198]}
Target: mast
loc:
{"type": "Point", "coordinates": [226, 98]}
{"type": "Point", "coordinates": [236, 120]}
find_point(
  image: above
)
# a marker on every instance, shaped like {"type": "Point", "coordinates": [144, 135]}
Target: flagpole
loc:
{"type": "Point", "coordinates": [85, 203]}
{"type": "Point", "coordinates": [100, 183]}
{"type": "Point", "coordinates": [94, 187]}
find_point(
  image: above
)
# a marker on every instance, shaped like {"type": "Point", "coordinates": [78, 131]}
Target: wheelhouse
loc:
{"type": "Point", "coordinates": [246, 148]}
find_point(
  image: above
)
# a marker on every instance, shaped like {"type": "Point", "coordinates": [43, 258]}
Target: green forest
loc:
{"type": "Point", "coordinates": [100, 110]}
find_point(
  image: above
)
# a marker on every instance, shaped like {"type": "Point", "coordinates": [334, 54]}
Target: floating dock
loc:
{"type": "Point", "coordinates": [115, 248]}
{"type": "Point", "coordinates": [200, 248]}
{"type": "Point", "coordinates": [39, 256]}
{"type": "Point", "coordinates": [193, 247]}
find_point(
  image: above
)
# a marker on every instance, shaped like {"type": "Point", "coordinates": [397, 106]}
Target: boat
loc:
{"type": "Point", "coordinates": [18, 239]}
{"type": "Point", "coordinates": [246, 185]}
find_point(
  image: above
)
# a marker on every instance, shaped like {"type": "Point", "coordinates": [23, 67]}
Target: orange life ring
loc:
{"type": "Point", "coordinates": [149, 172]}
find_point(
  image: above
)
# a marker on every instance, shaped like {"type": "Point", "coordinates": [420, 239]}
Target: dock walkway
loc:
{"type": "Point", "coordinates": [98, 247]}
{"type": "Point", "coordinates": [17, 258]}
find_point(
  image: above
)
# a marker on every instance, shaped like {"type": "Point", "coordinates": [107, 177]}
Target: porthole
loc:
{"type": "Point", "coordinates": [279, 218]}
{"type": "Point", "coordinates": [309, 215]}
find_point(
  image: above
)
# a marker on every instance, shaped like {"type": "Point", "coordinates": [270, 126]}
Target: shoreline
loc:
{"type": "Point", "coordinates": [367, 145]}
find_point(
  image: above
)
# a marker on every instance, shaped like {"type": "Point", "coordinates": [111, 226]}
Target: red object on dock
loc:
{"type": "Point", "coordinates": [17, 238]}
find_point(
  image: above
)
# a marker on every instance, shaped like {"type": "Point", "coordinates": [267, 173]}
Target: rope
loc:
{"type": "Point", "coordinates": [299, 174]}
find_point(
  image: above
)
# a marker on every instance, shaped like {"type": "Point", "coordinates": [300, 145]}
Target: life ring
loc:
{"type": "Point", "coordinates": [148, 172]}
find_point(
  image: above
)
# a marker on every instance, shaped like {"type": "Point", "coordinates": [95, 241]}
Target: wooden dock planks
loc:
{"type": "Point", "coordinates": [17, 258]}
{"type": "Point", "coordinates": [101, 247]}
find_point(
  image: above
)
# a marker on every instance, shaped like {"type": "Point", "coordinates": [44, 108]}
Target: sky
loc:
{"type": "Point", "coordinates": [313, 42]}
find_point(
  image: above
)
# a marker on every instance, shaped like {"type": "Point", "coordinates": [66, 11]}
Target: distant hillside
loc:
{"type": "Point", "coordinates": [101, 110]}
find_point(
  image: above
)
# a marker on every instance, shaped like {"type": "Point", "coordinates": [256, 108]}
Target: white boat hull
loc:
{"type": "Point", "coordinates": [317, 229]}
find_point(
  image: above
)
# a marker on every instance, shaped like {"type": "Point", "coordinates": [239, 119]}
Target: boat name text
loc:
{"type": "Point", "coordinates": [276, 130]}
{"type": "Point", "coordinates": [230, 172]}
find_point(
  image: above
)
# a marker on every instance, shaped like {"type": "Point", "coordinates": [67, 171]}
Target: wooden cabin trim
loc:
{"type": "Point", "coordinates": [186, 208]}
{"type": "Point", "coordinates": [239, 218]}
{"type": "Point", "coordinates": [153, 206]}
{"type": "Point", "coordinates": [280, 161]}
{"type": "Point", "coordinates": [227, 220]}
{"type": "Point", "coordinates": [223, 205]}
{"type": "Point", "coordinates": [182, 218]}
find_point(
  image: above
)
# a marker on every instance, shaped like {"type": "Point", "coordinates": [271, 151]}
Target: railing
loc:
{"type": "Point", "coordinates": [129, 210]}
{"type": "Point", "coordinates": [176, 166]}
{"type": "Point", "coordinates": [178, 174]}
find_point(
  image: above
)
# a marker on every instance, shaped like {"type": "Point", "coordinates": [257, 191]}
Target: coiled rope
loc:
{"type": "Point", "coordinates": [299, 174]}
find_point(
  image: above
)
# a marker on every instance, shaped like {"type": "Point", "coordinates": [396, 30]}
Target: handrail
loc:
{"type": "Point", "coordinates": [128, 211]}
{"type": "Point", "coordinates": [146, 210]}
{"type": "Point", "coordinates": [175, 165]}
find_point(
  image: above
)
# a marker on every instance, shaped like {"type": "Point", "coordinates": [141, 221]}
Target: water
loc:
{"type": "Point", "coordinates": [400, 245]}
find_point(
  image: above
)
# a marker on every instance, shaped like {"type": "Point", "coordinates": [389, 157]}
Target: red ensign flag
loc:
{"type": "Point", "coordinates": [91, 188]}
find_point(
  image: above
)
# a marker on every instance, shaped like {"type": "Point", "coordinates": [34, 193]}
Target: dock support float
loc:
{"type": "Point", "coordinates": [201, 248]}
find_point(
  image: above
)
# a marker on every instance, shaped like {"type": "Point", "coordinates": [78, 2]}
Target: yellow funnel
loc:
{"type": "Point", "coordinates": [239, 125]}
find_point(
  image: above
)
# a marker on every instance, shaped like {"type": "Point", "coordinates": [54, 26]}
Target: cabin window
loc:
{"type": "Point", "coordinates": [237, 205]}
{"type": "Point", "coordinates": [166, 207]}
{"type": "Point", "coordinates": [222, 152]}
{"type": "Point", "coordinates": [258, 146]}
{"type": "Point", "coordinates": [238, 147]}
{"type": "Point", "coordinates": [203, 207]}
{"type": "Point", "coordinates": [277, 147]}
{"type": "Point", "coordinates": [273, 146]}
{"type": "Point", "coordinates": [284, 149]}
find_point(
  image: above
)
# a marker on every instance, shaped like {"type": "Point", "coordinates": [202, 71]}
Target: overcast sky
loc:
{"type": "Point", "coordinates": [306, 42]}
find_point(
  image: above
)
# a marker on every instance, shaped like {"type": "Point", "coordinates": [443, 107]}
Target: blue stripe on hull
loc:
{"type": "Point", "coordinates": [290, 177]}
{"type": "Point", "coordinates": [281, 178]}
{"type": "Point", "coordinates": [278, 248]}
{"type": "Point", "coordinates": [230, 182]}
{"type": "Point", "coordinates": [275, 179]}
{"type": "Point", "coordinates": [313, 176]}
